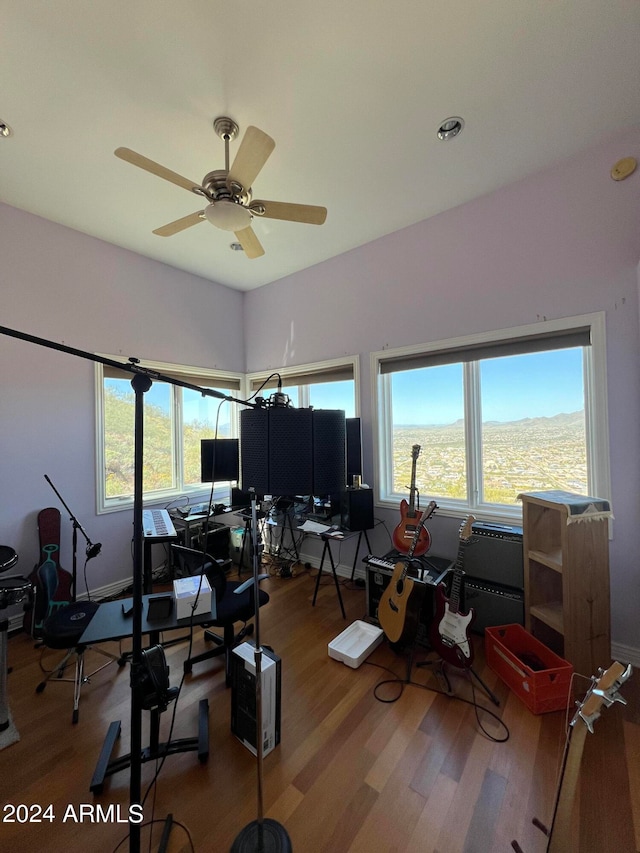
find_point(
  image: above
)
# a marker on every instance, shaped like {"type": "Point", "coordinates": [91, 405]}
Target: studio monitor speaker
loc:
{"type": "Point", "coordinates": [356, 509]}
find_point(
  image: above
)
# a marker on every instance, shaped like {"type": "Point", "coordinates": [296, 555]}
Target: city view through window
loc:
{"type": "Point", "coordinates": [527, 430]}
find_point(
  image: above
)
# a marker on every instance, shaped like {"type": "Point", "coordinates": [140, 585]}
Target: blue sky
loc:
{"type": "Point", "coordinates": [534, 385]}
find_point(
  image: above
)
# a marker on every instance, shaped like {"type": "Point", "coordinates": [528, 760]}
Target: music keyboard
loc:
{"type": "Point", "coordinates": [157, 524]}
{"type": "Point", "coordinates": [430, 569]}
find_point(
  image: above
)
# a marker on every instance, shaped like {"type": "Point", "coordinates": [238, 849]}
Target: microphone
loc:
{"type": "Point", "coordinates": [93, 550]}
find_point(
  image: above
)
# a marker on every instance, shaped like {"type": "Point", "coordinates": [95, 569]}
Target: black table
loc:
{"type": "Point", "coordinates": [110, 623]}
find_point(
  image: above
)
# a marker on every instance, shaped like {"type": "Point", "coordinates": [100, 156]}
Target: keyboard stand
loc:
{"type": "Point", "coordinates": [107, 766]}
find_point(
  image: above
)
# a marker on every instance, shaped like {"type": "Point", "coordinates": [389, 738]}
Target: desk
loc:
{"type": "Point", "coordinates": [110, 623]}
{"type": "Point", "coordinates": [339, 536]}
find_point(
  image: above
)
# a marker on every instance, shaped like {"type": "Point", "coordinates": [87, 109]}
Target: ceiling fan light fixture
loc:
{"type": "Point", "coordinates": [450, 128]}
{"type": "Point", "coordinates": [228, 215]}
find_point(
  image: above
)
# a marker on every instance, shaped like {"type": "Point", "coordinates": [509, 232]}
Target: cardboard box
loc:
{"type": "Point", "coordinates": [185, 592]}
{"type": "Point", "coordinates": [243, 697]}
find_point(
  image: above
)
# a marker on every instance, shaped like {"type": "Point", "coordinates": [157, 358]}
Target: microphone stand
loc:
{"type": "Point", "coordinates": [141, 382]}
{"type": "Point", "coordinates": [263, 835]}
{"type": "Point", "coordinates": [92, 550]}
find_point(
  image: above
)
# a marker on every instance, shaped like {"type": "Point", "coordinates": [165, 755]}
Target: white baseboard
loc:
{"type": "Point", "coordinates": [16, 613]}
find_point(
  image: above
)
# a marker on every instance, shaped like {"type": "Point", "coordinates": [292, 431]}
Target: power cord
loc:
{"type": "Point", "coordinates": [408, 681]}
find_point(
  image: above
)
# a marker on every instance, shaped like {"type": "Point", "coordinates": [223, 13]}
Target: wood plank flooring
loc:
{"type": "Point", "coordinates": [355, 771]}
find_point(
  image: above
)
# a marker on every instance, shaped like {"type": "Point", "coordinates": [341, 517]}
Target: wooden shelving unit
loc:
{"type": "Point", "coordinates": [566, 578]}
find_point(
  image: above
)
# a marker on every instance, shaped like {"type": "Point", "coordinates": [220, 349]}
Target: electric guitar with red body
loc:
{"type": "Point", "coordinates": [450, 630]}
{"type": "Point", "coordinates": [400, 603]}
{"type": "Point", "coordinates": [403, 535]}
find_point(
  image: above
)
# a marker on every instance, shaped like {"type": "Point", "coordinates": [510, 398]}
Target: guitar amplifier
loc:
{"type": "Point", "coordinates": [493, 604]}
{"type": "Point", "coordinates": [495, 554]}
{"type": "Point", "coordinates": [379, 573]}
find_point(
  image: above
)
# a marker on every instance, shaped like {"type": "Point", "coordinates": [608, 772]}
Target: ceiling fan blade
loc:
{"type": "Point", "coordinates": [253, 153]}
{"type": "Point", "coordinates": [249, 242]}
{"type": "Point", "coordinates": [180, 224]}
{"type": "Point", "coordinates": [308, 213]}
{"type": "Point", "coordinates": [155, 168]}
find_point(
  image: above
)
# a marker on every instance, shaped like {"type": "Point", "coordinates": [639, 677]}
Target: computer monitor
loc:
{"type": "Point", "coordinates": [219, 460]}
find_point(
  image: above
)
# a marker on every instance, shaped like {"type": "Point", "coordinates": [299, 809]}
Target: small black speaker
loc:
{"type": "Point", "coordinates": [356, 509]}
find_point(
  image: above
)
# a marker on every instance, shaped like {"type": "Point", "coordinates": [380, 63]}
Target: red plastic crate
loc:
{"type": "Point", "coordinates": [538, 676]}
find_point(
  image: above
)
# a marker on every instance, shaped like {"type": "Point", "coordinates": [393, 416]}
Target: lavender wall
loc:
{"type": "Point", "coordinates": [562, 243]}
{"type": "Point", "coordinates": [73, 289]}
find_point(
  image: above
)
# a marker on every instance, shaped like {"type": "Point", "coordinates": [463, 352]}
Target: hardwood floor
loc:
{"type": "Point", "coordinates": [353, 772]}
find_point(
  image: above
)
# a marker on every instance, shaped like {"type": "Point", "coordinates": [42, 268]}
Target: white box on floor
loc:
{"type": "Point", "coordinates": [243, 697]}
{"type": "Point", "coordinates": [185, 591]}
{"type": "Point", "coordinates": [355, 643]}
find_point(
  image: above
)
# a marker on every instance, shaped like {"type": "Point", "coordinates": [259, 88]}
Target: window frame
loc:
{"type": "Point", "coordinates": [323, 371]}
{"type": "Point", "coordinates": [207, 377]}
{"type": "Point", "coordinates": [596, 412]}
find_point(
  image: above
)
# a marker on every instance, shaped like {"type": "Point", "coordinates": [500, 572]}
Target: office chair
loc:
{"type": "Point", "coordinates": [235, 602]}
{"type": "Point", "coordinates": [62, 629]}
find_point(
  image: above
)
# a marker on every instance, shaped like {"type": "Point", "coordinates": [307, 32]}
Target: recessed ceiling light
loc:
{"type": "Point", "coordinates": [450, 128]}
{"type": "Point", "coordinates": [5, 130]}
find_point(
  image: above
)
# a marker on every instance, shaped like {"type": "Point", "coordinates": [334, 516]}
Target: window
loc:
{"type": "Point", "coordinates": [326, 385]}
{"type": "Point", "coordinates": [494, 416]}
{"type": "Point", "coordinates": [175, 419]}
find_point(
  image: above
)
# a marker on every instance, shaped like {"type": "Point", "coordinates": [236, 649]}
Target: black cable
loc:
{"type": "Point", "coordinates": [407, 681]}
{"type": "Point", "coordinates": [151, 823]}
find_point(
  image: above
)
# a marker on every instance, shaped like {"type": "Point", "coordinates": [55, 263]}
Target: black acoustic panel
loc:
{"type": "Point", "coordinates": [290, 451]}
{"type": "Point", "coordinates": [329, 452]}
{"type": "Point", "coordinates": [354, 448]}
{"type": "Point", "coordinates": [254, 438]}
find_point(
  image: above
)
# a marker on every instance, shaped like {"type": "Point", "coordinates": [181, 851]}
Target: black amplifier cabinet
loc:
{"type": "Point", "coordinates": [493, 604]}
{"type": "Point", "coordinates": [495, 554]}
{"type": "Point", "coordinates": [377, 580]}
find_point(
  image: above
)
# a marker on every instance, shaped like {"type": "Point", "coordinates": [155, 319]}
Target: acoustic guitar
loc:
{"type": "Point", "coordinates": [449, 634]}
{"type": "Point", "coordinates": [603, 692]}
{"type": "Point", "coordinates": [400, 603]}
{"type": "Point", "coordinates": [404, 533]}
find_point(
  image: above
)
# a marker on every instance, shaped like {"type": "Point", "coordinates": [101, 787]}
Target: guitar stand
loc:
{"type": "Point", "coordinates": [106, 767]}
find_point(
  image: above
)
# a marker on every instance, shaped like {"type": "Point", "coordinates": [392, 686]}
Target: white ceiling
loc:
{"type": "Point", "coordinates": [352, 93]}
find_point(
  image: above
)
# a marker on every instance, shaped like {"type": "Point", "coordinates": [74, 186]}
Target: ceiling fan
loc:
{"type": "Point", "coordinates": [228, 191]}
